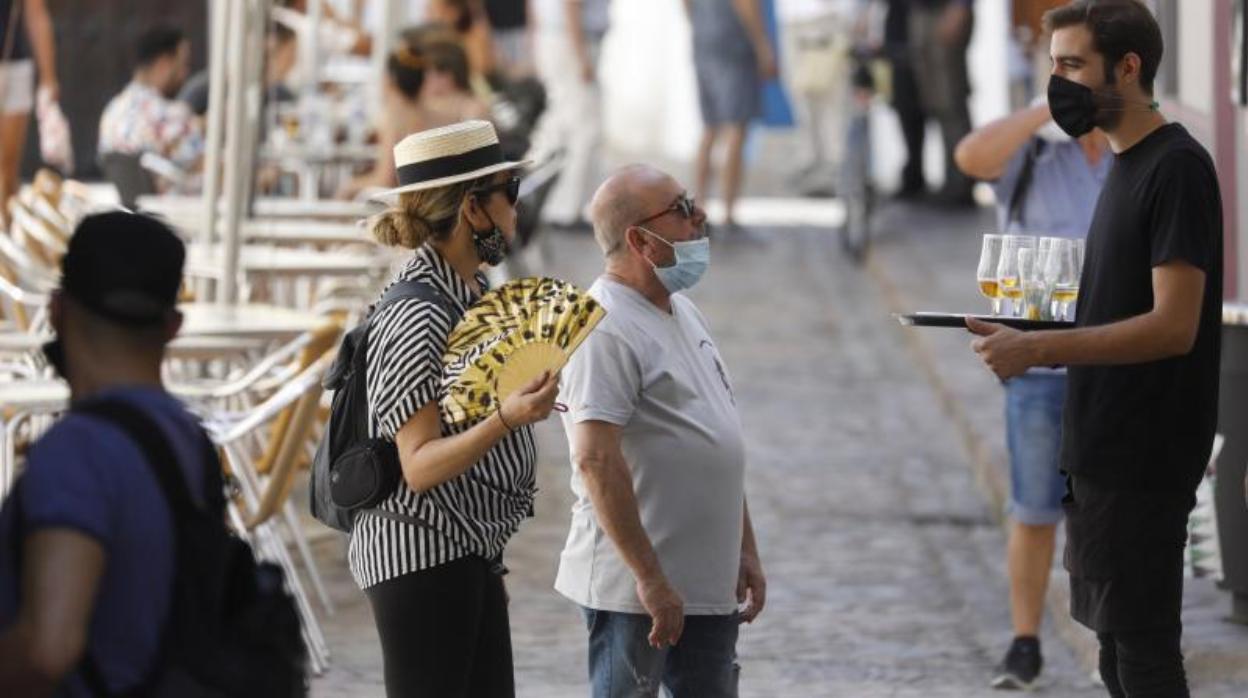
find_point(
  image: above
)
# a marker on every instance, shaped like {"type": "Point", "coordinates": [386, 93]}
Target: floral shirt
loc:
{"type": "Point", "coordinates": [140, 120]}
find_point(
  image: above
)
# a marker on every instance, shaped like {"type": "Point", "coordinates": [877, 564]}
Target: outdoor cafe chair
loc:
{"type": "Point", "coordinates": [260, 499]}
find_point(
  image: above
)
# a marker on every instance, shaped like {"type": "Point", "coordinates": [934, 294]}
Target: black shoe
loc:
{"type": "Point", "coordinates": [1021, 666]}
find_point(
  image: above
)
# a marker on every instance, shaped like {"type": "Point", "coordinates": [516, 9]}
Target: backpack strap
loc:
{"type": "Point", "coordinates": [161, 461]}
{"type": "Point", "coordinates": [1014, 214]}
{"type": "Point", "coordinates": [404, 290]}
{"type": "Point", "coordinates": [419, 290]}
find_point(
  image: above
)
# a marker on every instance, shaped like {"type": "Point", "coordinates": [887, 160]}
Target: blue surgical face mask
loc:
{"type": "Point", "coordinates": [692, 259]}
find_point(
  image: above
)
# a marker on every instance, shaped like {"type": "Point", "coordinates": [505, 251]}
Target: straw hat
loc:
{"type": "Point", "coordinates": [457, 153]}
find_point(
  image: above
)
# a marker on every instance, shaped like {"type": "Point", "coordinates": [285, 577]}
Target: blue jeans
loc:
{"type": "Point", "coordinates": [1033, 419]}
{"type": "Point", "coordinates": [622, 664]}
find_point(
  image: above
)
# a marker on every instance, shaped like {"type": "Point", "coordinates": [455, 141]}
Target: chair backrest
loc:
{"type": "Point", "coordinates": [130, 178]}
{"type": "Point", "coordinates": [38, 236]}
{"type": "Point", "coordinates": [323, 340]}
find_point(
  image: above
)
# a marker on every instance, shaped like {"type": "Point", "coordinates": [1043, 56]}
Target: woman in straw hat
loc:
{"type": "Point", "coordinates": [436, 588]}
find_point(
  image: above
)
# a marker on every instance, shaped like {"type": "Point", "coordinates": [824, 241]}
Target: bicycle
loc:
{"type": "Point", "coordinates": [857, 188]}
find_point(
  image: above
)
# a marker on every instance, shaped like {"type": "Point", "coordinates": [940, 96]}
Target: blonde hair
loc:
{"type": "Point", "coordinates": [421, 216]}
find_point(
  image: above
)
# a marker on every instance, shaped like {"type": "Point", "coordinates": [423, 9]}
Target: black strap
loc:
{"type": "Point", "coordinates": [1014, 214]}
{"type": "Point", "coordinates": [418, 290]}
{"type": "Point", "coordinates": [163, 464]}
{"type": "Point", "coordinates": [404, 290]}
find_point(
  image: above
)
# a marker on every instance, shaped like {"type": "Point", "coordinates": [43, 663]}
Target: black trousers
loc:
{"type": "Point", "coordinates": [913, 120]}
{"type": "Point", "coordinates": [445, 632]}
{"type": "Point", "coordinates": [1143, 664]}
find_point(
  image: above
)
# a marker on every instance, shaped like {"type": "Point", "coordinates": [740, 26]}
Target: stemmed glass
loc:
{"type": "Point", "coordinates": [1062, 271]}
{"type": "Point", "coordinates": [1035, 291]}
{"type": "Point", "coordinates": [1007, 268]}
{"type": "Point", "coordinates": [986, 274]}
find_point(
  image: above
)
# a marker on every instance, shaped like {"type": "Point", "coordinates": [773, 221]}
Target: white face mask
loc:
{"type": "Point", "coordinates": [693, 257]}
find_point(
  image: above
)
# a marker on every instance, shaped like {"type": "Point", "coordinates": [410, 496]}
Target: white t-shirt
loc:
{"type": "Point", "coordinates": [661, 378]}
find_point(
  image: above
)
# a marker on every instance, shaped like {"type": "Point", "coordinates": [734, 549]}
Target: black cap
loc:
{"type": "Point", "coordinates": [125, 267]}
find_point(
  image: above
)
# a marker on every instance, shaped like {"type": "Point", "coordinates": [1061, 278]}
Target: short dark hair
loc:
{"type": "Point", "coordinates": [158, 41]}
{"type": "Point", "coordinates": [1118, 27]}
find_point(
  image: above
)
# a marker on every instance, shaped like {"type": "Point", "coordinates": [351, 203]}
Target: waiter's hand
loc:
{"type": "Point", "coordinates": [1004, 350]}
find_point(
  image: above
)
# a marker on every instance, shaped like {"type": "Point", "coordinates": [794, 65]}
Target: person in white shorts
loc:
{"type": "Point", "coordinates": [661, 552]}
{"type": "Point", "coordinates": [26, 39]}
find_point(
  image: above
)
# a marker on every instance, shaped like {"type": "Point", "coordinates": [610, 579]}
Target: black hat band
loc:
{"type": "Point", "coordinates": [450, 165]}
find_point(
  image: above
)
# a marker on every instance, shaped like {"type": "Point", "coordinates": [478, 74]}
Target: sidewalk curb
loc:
{"type": "Point", "coordinates": [989, 476]}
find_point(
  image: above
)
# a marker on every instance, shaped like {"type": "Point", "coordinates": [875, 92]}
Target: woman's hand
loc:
{"type": "Point", "coordinates": [532, 403]}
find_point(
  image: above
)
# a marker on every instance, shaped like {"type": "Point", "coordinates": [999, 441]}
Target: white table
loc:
{"type": "Point", "coordinates": [288, 231]}
{"type": "Point", "coordinates": [246, 321]}
{"type": "Point", "coordinates": [173, 206]}
{"type": "Point", "coordinates": [267, 260]}
{"type": "Point", "coordinates": [184, 346]}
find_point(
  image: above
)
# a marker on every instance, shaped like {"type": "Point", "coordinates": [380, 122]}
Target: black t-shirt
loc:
{"type": "Point", "coordinates": [1149, 426]}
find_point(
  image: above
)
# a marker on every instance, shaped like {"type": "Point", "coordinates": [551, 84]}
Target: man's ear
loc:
{"type": "Point", "coordinates": [1128, 69]}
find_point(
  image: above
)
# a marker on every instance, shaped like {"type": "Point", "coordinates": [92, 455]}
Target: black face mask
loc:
{"type": "Point", "coordinates": [54, 351]}
{"type": "Point", "coordinates": [1072, 105]}
{"type": "Point", "coordinates": [491, 244]}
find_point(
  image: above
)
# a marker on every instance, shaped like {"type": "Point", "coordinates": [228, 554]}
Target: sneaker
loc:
{"type": "Point", "coordinates": [1020, 667]}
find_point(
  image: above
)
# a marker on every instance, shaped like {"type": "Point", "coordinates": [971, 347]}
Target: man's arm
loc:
{"type": "Point", "coordinates": [43, 39]}
{"type": "Point", "coordinates": [62, 570]}
{"type": "Point", "coordinates": [984, 153]}
{"type": "Point", "coordinates": [607, 477]}
{"type": "Point", "coordinates": [1166, 331]}
{"type": "Point", "coordinates": [751, 14]}
{"type": "Point", "coordinates": [751, 583]}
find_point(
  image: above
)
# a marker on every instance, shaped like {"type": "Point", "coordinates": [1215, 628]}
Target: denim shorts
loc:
{"type": "Point", "coordinates": [1033, 418]}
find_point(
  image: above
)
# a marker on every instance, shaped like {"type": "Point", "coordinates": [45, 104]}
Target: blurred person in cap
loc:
{"type": "Point", "coordinates": [97, 558]}
{"type": "Point", "coordinates": [1046, 183]}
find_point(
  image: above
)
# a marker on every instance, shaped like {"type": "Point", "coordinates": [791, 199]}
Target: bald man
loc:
{"type": "Point", "coordinates": [661, 554]}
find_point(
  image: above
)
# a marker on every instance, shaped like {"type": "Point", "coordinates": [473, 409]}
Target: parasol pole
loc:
{"type": "Point", "coordinates": [235, 180]}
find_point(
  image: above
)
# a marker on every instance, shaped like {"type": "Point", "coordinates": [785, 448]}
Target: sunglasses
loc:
{"type": "Point", "coordinates": [509, 187]}
{"type": "Point", "coordinates": [684, 205]}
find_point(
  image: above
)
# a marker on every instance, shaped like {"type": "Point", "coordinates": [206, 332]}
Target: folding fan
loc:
{"type": "Point", "coordinates": [511, 336]}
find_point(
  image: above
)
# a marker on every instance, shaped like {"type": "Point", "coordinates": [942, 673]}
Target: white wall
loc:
{"type": "Point", "coordinates": [1194, 53]}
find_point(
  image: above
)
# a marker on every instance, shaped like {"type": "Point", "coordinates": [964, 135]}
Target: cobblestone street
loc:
{"type": "Point", "coordinates": [885, 563]}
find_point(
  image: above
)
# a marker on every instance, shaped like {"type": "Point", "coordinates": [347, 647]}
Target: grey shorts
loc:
{"type": "Point", "coordinates": [17, 86]}
{"type": "Point", "coordinates": [729, 90]}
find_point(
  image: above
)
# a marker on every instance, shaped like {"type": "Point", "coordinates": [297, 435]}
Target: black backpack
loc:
{"type": "Point", "coordinates": [352, 472]}
{"type": "Point", "coordinates": [232, 629]}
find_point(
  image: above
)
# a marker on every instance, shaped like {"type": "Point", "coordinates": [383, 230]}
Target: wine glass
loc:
{"type": "Point", "coordinates": [986, 274]}
{"type": "Point", "coordinates": [1007, 269]}
{"type": "Point", "coordinates": [1031, 278]}
{"type": "Point", "coordinates": [1063, 271]}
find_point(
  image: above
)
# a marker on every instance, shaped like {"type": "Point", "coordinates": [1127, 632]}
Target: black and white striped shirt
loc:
{"type": "Point", "coordinates": [472, 514]}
